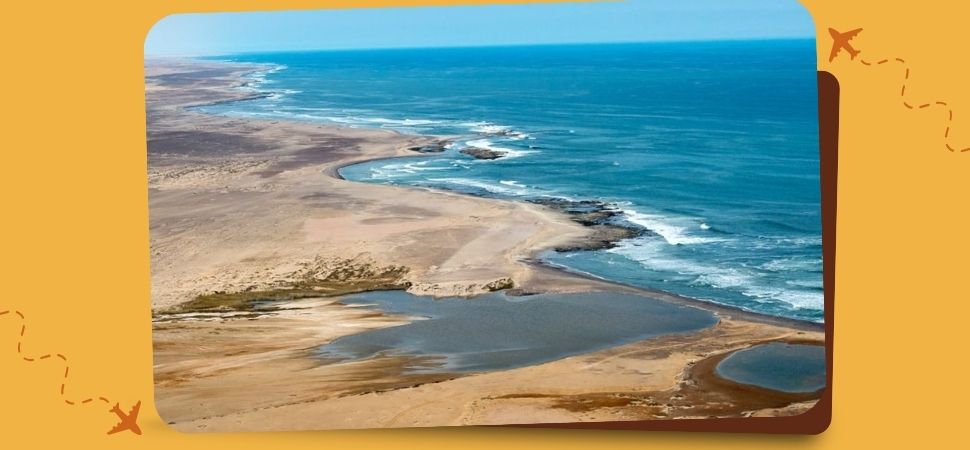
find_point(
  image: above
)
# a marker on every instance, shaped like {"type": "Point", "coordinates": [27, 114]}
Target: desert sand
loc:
{"type": "Point", "coordinates": [245, 209]}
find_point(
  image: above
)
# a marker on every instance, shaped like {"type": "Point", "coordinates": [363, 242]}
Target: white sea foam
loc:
{"type": "Point", "coordinates": [491, 129]}
{"type": "Point", "coordinates": [488, 187]}
{"type": "Point", "coordinates": [489, 145]}
{"type": "Point", "coordinates": [815, 284]}
{"type": "Point", "coordinates": [775, 242]}
{"type": "Point", "coordinates": [652, 254]}
{"type": "Point", "coordinates": [402, 122]}
{"type": "Point", "coordinates": [792, 264]}
{"type": "Point", "coordinates": [257, 79]}
{"type": "Point", "coordinates": [486, 127]}
{"type": "Point", "coordinates": [797, 298]}
{"type": "Point", "coordinates": [344, 120]}
{"type": "Point", "coordinates": [513, 183]}
{"type": "Point", "coordinates": [402, 169]}
{"type": "Point", "coordinates": [725, 278]}
{"type": "Point", "coordinates": [672, 233]}
{"type": "Point", "coordinates": [423, 167]}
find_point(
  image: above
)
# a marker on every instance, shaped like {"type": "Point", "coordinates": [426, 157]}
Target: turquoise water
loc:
{"type": "Point", "coordinates": [710, 146]}
{"type": "Point", "coordinates": [777, 366]}
{"type": "Point", "coordinates": [494, 331]}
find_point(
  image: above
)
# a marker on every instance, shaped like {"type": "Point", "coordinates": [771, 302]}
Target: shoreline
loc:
{"type": "Point", "coordinates": [238, 206]}
{"type": "Point", "coordinates": [534, 259]}
{"type": "Point", "coordinates": [671, 297]}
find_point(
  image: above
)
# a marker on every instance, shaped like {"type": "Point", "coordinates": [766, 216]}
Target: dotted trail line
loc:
{"type": "Point", "coordinates": [902, 93]}
{"type": "Point", "coordinates": [69, 400]}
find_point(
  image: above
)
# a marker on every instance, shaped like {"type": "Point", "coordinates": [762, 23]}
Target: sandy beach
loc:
{"type": "Point", "coordinates": [245, 210]}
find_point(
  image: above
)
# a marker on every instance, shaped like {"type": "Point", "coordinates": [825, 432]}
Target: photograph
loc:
{"type": "Point", "coordinates": [556, 213]}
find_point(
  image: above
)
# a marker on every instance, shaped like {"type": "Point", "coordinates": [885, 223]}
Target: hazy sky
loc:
{"type": "Point", "coordinates": [629, 21]}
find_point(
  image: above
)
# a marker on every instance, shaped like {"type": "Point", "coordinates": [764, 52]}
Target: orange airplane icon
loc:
{"type": "Point", "coordinates": [840, 41]}
{"type": "Point", "coordinates": [128, 421]}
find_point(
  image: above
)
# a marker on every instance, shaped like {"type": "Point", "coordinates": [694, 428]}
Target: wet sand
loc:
{"type": "Point", "coordinates": [241, 207]}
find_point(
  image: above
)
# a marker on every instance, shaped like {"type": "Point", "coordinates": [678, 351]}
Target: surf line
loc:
{"type": "Point", "coordinates": [840, 41]}
{"type": "Point", "coordinates": [68, 400]}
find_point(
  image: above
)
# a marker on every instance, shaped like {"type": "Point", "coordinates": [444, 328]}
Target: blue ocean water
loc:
{"type": "Point", "coordinates": [712, 146]}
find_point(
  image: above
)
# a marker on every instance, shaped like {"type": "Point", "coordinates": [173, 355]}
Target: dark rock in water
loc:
{"type": "Point", "coordinates": [603, 237]}
{"type": "Point", "coordinates": [482, 153]}
{"type": "Point", "coordinates": [585, 212]}
{"type": "Point", "coordinates": [598, 215]}
{"type": "Point", "coordinates": [436, 147]}
{"type": "Point", "coordinates": [502, 132]}
{"type": "Point", "coordinates": [519, 292]}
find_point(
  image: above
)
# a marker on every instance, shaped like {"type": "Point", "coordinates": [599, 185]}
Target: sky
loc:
{"type": "Point", "coordinates": [462, 26]}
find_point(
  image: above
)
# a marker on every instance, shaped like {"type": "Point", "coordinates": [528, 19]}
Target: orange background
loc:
{"type": "Point", "coordinates": [74, 233]}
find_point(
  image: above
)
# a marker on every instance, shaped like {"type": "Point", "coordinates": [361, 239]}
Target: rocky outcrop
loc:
{"type": "Point", "coordinates": [602, 237]}
{"type": "Point", "coordinates": [434, 147]}
{"type": "Point", "coordinates": [483, 153]}
{"type": "Point", "coordinates": [603, 218]}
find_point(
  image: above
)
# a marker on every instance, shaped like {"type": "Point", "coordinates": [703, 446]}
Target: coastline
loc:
{"type": "Point", "coordinates": [225, 220]}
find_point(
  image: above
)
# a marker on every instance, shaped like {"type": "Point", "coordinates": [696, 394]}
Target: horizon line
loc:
{"type": "Point", "coordinates": [444, 47]}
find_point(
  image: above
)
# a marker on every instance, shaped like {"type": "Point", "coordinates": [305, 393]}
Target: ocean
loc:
{"type": "Point", "coordinates": [710, 147]}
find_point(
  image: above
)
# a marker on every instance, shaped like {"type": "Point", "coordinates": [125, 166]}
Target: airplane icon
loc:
{"type": "Point", "coordinates": [128, 421]}
{"type": "Point", "coordinates": [841, 40]}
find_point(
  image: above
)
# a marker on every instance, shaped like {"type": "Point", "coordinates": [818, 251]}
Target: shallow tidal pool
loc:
{"type": "Point", "coordinates": [779, 366]}
{"type": "Point", "coordinates": [495, 331]}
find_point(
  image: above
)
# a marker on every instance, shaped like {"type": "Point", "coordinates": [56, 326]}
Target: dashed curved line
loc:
{"type": "Point", "coordinates": [61, 356]}
{"type": "Point", "coordinates": [902, 93]}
